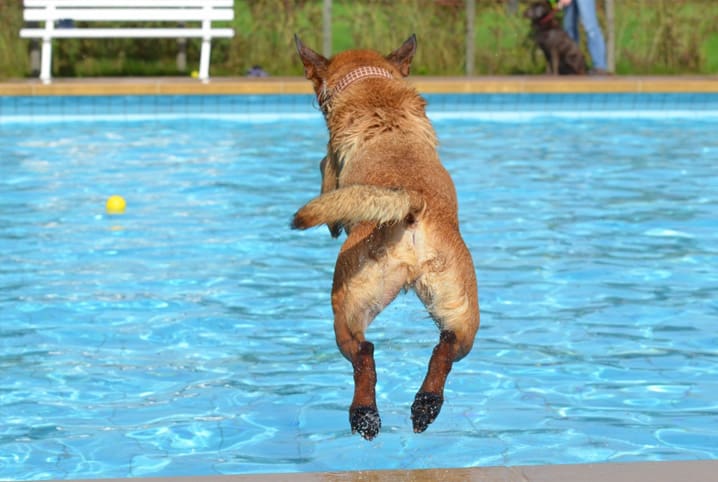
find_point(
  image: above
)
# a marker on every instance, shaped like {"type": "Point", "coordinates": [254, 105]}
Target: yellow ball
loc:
{"type": "Point", "coordinates": [194, 74]}
{"type": "Point", "coordinates": [115, 205]}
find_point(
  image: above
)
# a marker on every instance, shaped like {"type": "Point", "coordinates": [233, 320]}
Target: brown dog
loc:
{"type": "Point", "coordinates": [383, 184]}
{"type": "Point", "coordinates": [562, 54]}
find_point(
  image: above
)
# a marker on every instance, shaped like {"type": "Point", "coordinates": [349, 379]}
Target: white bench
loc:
{"type": "Point", "coordinates": [99, 11]}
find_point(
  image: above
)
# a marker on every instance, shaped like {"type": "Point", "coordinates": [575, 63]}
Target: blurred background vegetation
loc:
{"type": "Point", "coordinates": [652, 37]}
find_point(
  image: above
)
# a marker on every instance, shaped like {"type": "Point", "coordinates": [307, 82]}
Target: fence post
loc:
{"type": "Point", "coordinates": [181, 51]}
{"type": "Point", "coordinates": [611, 41]}
{"type": "Point", "coordinates": [470, 44]}
{"type": "Point", "coordinates": [327, 28]}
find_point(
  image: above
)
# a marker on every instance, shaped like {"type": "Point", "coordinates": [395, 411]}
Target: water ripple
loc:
{"type": "Point", "coordinates": [193, 334]}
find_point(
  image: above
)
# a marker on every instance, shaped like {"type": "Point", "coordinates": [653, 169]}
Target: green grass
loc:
{"type": "Point", "coordinates": [667, 37]}
{"type": "Point", "coordinates": [652, 37]}
{"type": "Point", "coordinates": [14, 60]}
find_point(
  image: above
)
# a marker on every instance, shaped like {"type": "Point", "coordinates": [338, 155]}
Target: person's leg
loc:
{"type": "Point", "coordinates": [570, 21]}
{"type": "Point", "coordinates": [594, 35]}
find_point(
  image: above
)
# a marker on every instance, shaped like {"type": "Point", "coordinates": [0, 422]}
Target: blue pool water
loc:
{"type": "Point", "coordinates": [193, 335]}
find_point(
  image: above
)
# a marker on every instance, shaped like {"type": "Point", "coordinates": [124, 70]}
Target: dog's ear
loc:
{"type": "Point", "coordinates": [315, 65]}
{"type": "Point", "coordinates": [402, 56]}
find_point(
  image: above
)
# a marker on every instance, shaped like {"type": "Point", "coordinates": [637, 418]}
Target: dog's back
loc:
{"type": "Point", "coordinates": [380, 137]}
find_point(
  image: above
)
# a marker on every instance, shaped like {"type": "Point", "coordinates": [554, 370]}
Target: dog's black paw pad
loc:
{"type": "Point", "coordinates": [425, 409]}
{"type": "Point", "coordinates": [366, 421]}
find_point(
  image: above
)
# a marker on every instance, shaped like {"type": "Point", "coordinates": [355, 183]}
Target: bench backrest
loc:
{"type": "Point", "coordinates": [177, 11]}
{"type": "Point", "coordinates": [129, 10]}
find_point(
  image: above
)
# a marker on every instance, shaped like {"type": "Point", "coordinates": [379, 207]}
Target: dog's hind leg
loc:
{"type": "Point", "coordinates": [364, 283]}
{"type": "Point", "coordinates": [450, 294]}
{"type": "Point", "coordinates": [351, 317]}
{"type": "Point", "coordinates": [363, 413]}
{"type": "Point", "coordinates": [430, 397]}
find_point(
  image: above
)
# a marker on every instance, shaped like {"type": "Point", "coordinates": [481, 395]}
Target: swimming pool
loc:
{"type": "Point", "coordinates": [192, 335]}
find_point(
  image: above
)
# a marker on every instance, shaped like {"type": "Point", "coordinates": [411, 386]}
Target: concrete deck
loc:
{"type": "Point", "coordinates": [297, 85]}
{"type": "Point", "coordinates": [688, 471]}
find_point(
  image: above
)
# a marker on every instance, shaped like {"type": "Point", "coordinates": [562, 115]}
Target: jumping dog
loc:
{"type": "Point", "coordinates": [384, 185]}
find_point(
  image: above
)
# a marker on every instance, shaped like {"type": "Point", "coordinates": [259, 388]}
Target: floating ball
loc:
{"type": "Point", "coordinates": [194, 74]}
{"type": "Point", "coordinates": [115, 205]}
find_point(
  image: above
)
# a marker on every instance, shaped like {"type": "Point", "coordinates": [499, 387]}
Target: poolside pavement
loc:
{"type": "Point", "coordinates": [298, 85]}
{"type": "Point", "coordinates": [685, 471]}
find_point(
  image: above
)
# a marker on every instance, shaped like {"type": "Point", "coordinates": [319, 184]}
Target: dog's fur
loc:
{"type": "Point", "coordinates": [383, 183]}
{"type": "Point", "coordinates": [562, 54]}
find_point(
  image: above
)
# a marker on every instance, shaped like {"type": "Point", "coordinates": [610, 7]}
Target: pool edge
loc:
{"type": "Point", "coordinates": [298, 85]}
{"type": "Point", "coordinates": [675, 471]}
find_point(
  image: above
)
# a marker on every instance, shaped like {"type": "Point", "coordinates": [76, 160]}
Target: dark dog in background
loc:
{"type": "Point", "coordinates": [563, 56]}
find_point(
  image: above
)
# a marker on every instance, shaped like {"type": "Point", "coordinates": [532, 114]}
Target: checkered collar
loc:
{"type": "Point", "coordinates": [326, 94]}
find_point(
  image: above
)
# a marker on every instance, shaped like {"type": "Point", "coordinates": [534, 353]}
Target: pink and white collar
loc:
{"type": "Point", "coordinates": [325, 95]}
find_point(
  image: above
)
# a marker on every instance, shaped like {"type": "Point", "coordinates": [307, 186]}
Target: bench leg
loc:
{"type": "Point", "coordinates": [204, 60]}
{"type": "Point", "coordinates": [46, 61]}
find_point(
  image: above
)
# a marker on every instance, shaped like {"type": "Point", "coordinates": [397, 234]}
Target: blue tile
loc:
{"type": "Point", "coordinates": [29, 108]}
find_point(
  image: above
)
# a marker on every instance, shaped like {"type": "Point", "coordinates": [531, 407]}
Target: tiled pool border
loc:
{"type": "Point", "coordinates": [252, 99]}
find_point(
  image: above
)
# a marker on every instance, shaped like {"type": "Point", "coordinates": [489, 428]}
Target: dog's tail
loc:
{"type": "Point", "coordinates": [349, 205]}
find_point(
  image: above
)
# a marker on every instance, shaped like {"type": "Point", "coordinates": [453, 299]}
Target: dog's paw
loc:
{"type": "Point", "coordinates": [425, 409]}
{"type": "Point", "coordinates": [366, 421]}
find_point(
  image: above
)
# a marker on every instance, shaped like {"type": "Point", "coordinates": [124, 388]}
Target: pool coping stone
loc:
{"type": "Point", "coordinates": [677, 471]}
{"type": "Point", "coordinates": [298, 85]}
